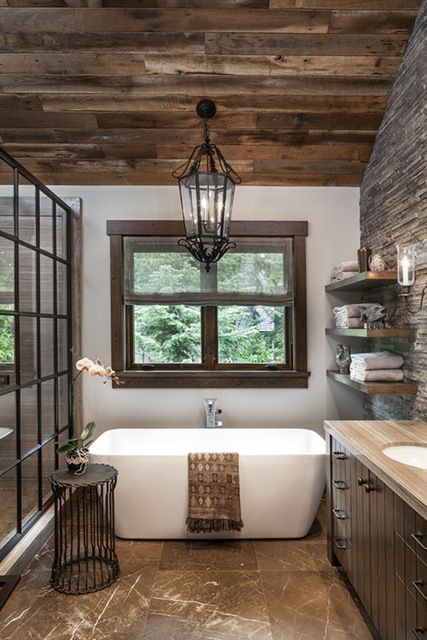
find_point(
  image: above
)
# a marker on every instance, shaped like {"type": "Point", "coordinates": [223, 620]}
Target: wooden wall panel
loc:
{"type": "Point", "coordinates": [102, 90]}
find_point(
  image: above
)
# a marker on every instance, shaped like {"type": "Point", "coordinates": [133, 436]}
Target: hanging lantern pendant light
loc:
{"type": "Point", "coordinates": [206, 185]}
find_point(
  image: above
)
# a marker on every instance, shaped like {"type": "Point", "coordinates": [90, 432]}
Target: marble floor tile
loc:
{"type": "Point", "coordinates": [229, 555]}
{"type": "Point", "coordinates": [195, 590]}
{"type": "Point", "coordinates": [284, 555]}
{"type": "Point", "coordinates": [308, 605]}
{"type": "Point", "coordinates": [132, 553]}
{"type": "Point", "coordinates": [208, 604]}
{"type": "Point", "coordinates": [36, 612]}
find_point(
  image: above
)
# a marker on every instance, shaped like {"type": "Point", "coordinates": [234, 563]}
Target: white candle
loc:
{"type": "Point", "coordinates": [405, 271]}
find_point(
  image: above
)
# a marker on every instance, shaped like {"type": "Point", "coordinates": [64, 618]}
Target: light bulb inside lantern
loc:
{"type": "Point", "coordinates": [406, 265]}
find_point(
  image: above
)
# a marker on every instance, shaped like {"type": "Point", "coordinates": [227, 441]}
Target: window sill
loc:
{"type": "Point", "coordinates": [212, 379]}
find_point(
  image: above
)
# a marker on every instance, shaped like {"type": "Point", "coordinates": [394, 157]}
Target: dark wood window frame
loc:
{"type": "Point", "coordinates": [216, 376]}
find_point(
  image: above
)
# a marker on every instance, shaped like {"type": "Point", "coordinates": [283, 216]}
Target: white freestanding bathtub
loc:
{"type": "Point", "coordinates": [282, 477]}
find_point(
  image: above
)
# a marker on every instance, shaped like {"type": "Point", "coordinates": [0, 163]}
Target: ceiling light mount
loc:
{"type": "Point", "coordinates": [206, 109]}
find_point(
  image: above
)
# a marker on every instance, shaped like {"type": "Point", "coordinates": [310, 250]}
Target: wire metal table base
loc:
{"type": "Point", "coordinates": [85, 557]}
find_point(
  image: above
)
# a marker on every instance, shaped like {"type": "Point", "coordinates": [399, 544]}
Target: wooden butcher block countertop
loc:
{"type": "Point", "coordinates": [366, 438]}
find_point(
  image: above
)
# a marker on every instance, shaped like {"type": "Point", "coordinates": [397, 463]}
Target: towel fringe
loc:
{"type": "Point", "coordinates": [206, 525]}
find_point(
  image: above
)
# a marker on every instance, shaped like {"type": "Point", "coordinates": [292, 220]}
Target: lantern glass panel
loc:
{"type": "Point", "coordinates": [406, 265]}
{"type": "Point", "coordinates": [207, 200]}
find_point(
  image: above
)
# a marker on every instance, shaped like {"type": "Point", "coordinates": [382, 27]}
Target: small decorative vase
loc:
{"type": "Point", "coordinates": [343, 358]}
{"type": "Point", "coordinates": [77, 461]}
{"type": "Point", "coordinates": [376, 263]}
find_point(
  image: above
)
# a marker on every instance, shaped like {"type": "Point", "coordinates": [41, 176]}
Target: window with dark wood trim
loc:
{"type": "Point", "coordinates": [136, 246]}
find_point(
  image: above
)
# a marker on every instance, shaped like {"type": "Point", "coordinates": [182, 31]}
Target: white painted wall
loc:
{"type": "Point", "coordinates": [333, 217]}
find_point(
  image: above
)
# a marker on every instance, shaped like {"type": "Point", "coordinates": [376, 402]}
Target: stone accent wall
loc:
{"type": "Point", "coordinates": [394, 209]}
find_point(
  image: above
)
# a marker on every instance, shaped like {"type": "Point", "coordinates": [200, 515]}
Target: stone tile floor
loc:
{"type": "Point", "coordinates": [197, 590]}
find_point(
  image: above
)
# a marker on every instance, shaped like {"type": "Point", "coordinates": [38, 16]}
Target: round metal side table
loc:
{"type": "Point", "coordinates": [85, 556]}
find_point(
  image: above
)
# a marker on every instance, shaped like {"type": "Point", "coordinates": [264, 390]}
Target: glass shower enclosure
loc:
{"type": "Point", "coordinates": [35, 345]}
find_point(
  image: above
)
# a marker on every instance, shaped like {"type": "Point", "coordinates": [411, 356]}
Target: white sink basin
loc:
{"type": "Point", "coordinates": [5, 431]}
{"type": "Point", "coordinates": [412, 455]}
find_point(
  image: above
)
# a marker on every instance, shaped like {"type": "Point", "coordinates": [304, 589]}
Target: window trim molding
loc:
{"type": "Point", "coordinates": [198, 377]}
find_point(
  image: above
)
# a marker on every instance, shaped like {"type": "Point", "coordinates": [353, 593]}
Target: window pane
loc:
{"type": "Point", "coordinates": [47, 266]}
{"type": "Point", "coordinates": [30, 486]}
{"type": "Point", "coordinates": [27, 210]}
{"type": "Point", "coordinates": [7, 284]}
{"type": "Point", "coordinates": [61, 288]}
{"type": "Point", "coordinates": [29, 403]}
{"type": "Point", "coordinates": [28, 346]}
{"type": "Point", "coordinates": [251, 335]}
{"type": "Point", "coordinates": [48, 467]}
{"type": "Point", "coordinates": [164, 273]}
{"type": "Point", "coordinates": [7, 429]}
{"type": "Point", "coordinates": [48, 408]}
{"type": "Point", "coordinates": [63, 401]}
{"type": "Point", "coordinates": [63, 350]}
{"type": "Point", "coordinates": [61, 232]}
{"type": "Point", "coordinates": [27, 280]}
{"type": "Point", "coordinates": [168, 334]}
{"type": "Point", "coordinates": [254, 272]}
{"type": "Point", "coordinates": [46, 338]}
{"type": "Point", "coordinates": [7, 340]}
{"type": "Point", "coordinates": [9, 506]}
{"type": "Point", "coordinates": [46, 223]}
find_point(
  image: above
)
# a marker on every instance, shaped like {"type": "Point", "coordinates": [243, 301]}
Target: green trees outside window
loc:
{"type": "Point", "coordinates": [172, 333]}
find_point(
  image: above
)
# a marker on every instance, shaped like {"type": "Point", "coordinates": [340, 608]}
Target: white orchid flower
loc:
{"type": "Point", "coordinates": [97, 371]}
{"type": "Point", "coordinates": [84, 364]}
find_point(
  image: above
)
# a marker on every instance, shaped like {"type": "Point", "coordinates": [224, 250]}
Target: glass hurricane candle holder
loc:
{"type": "Point", "coordinates": [406, 266]}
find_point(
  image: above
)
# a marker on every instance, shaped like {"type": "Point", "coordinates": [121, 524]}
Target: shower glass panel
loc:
{"type": "Point", "coordinates": [35, 345]}
{"type": "Point", "coordinates": [48, 409]}
{"type": "Point", "coordinates": [28, 415]}
{"type": "Point", "coordinates": [30, 486]}
{"type": "Point", "coordinates": [9, 497]}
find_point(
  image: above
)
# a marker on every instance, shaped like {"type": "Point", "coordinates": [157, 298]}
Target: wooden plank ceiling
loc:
{"type": "Point", "coordinates": [104, 92]}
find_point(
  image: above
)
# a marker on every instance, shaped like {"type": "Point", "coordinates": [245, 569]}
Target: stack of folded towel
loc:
{"type": "Point", "coordinates": [344, 270]}
{"type": "Point", "coordinates": [380, 366]}
{"type": "Point", "coordinates": [349, 316]}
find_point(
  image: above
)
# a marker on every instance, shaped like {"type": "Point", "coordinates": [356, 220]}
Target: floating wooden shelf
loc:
{"type": "Point", "coordinates": [372, 333]}
{"type": "Point", "coordinates": [363, 281]}
{"type": "Point", "coordinates": [374, 387]}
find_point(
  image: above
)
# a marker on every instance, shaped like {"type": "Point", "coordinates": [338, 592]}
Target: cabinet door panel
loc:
{"type": "Point", "coordinates": [389, 565]}
{"type": "Point", "coordinates": [366, 537]}
{"type": "Point", "coordinates": [419, 538]}
{"type": "Point", "coordinates": [379, 577]}
{"type": "Point", "coordinates": [400, 616]}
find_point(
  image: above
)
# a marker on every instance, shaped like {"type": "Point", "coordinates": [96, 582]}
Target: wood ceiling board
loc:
{"type": "Point", "coordinates": [106, 93]}
{"type": "Point", "coordinates": [128, 64]}
{"type": "Point", "coordinates": [220, 4]}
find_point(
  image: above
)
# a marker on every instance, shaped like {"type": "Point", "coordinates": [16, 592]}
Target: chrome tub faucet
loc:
{"type": "Point", "coordinates": [212, 412]}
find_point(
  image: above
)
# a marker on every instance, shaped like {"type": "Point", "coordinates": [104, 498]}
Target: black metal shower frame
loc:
{"type": "Point", "coordinates": [67, 430]}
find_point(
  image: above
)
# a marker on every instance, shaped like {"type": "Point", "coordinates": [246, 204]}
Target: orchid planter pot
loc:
{"type": "Point", "coordinates": [77, 461]}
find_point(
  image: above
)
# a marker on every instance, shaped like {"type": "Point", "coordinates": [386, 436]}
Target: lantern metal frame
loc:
{"type": "Point", "coordinates": [207, 160]}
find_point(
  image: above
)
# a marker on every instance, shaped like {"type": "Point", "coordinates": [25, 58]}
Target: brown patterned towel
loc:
{"type": "Point", "coordinates": [213, 492]}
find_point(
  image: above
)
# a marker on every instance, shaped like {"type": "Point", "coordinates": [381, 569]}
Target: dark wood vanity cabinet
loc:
{"type": "Point", "coordinates": [381, 544]}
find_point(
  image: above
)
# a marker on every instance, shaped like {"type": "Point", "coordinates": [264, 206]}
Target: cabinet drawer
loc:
{"type": "Point", "coordinates": [411, 570]}
{"type": "Point", "coordinates": [411, 528]}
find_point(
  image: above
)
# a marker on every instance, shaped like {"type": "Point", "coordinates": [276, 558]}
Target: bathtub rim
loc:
{"type": "Point", "coordinates": [320, 442]}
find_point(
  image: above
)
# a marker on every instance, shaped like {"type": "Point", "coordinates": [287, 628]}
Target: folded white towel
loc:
{"type": "Point", "coordinates": [376, 360]}
{"type": "Point", "coordinates": [347, 265]}
{"type": "Point", "coordinates": [349, 315]}
{"type": "Point", "coordinates": [377, 375]}
{"type": "Point", "coordinates": [343, 275]}
{"type": "Point", "coordinates": [356, 310]}
{"type": "Point", "coordinates": [348, 323]}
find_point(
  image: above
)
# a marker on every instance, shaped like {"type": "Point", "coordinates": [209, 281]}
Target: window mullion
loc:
{"type": "Point", "coordinates": [210, 337]}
